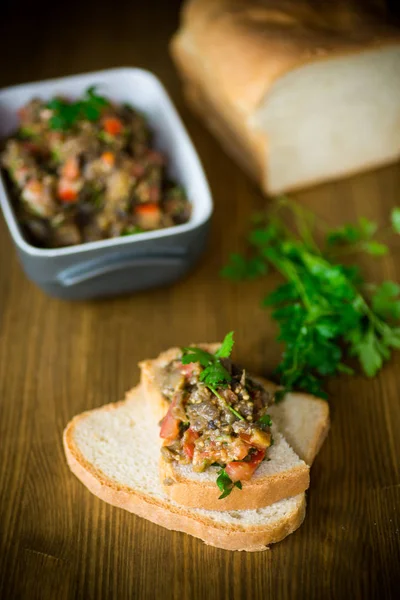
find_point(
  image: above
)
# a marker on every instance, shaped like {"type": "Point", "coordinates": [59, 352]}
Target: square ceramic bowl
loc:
{"type": "Point", "coordinates": [123, 264]}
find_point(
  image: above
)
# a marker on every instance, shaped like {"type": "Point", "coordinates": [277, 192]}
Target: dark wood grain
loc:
{"type": "Point", "coordinates": [57, 359]}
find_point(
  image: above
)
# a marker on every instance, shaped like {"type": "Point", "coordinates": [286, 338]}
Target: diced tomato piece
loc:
{"type": "Point", "coordinates": [149, 215]}
{"type": "Point", "coordinates": [147, 209]}
{"type": "Point", "coordinates": [242, 470]}
{"type": "Point", "coordinates": [239, 471]}
{"type": "Point", "coordinates": [189, 439]}
{"type": "Point", "coordinates": [188, 370]}
{"type": "Point", "coordinates": [108, 158]}
{"type": "Point", "coordinates": [67, 193]}
{"type": "Point", "coordinates": [113, 125]}
{"type": "Point", "coordinates": [169, 426]}
{"type": "Point", "coordinates": [70, 169]}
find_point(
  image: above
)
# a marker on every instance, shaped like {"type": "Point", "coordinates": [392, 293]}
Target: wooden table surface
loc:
{"type": "Point", "coordinates": [57, 541]}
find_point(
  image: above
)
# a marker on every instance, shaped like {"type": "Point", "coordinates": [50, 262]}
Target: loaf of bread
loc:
{"type": "Point", "coordinates": [298, 92]}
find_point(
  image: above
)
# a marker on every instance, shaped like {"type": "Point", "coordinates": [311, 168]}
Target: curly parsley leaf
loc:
{"type": "Point", "coordinates": [357, 237]}
{"type": "Point", "coordinates": [351, 233]}
{"type": "Point", "coordinates": [132, 230]}
{"type": "Point", "coordinates": [265, 420]}
{"type": "Point", "coordinates": [193, 354]}
{"type": "Point", "coordinates": [66, 113]}
{"type": "Point", "coordinates": [94, 98]}
{"type": "Point", "coordinates": [226, 347]}
{"type": "Point", "coordinates": [225, 484]}
{"type": "Point", "coordinates": [386, 300]}
{"type": "Point", "coordinates": [375, 248]}
{"type": "Point", "coordinates": [214, 374]}
{"type": "Point", "coordinates": [391, 337]}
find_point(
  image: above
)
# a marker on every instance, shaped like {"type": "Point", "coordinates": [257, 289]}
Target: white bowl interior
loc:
{"type": "Point", "coordinates": [143, 91]}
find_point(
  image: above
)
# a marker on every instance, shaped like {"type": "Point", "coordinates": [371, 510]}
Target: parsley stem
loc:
{"type": "Point", "coordinates": [235, 412]}
{"type": "Point", "coordinates": [304, 219]}
{"type": "Point", "coordinates": [288, 271]}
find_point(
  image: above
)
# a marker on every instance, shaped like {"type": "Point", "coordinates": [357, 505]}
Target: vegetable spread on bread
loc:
{"type": "Point", "coordinates": [218, 415]}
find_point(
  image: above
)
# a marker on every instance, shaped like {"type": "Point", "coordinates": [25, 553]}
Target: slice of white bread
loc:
{"type": "Point", "coordinates": [114, 451]}
{"type": "Point", "coordinates": [284, 474]}
{"type": "Point", "coordinates": [292, 417]}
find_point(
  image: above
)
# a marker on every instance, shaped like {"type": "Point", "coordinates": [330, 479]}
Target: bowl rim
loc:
{"type": "Point", "coordinates": [192, 224]}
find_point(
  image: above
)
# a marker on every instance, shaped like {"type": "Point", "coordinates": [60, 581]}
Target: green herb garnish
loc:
{"type": "Point", "coordinates": [66, 114]}
{"type": "Point", "coordinates": [225, 484]}
{"type": "Point", "coordinates": [265, 420]}
{"type": "Point", "coordinates": [26, 132]}
{"type": "Point", "coordinates": [323, 310]}
{"type": "Point", "coordinates": [183, 426]}
{"type": "Point", "coordinates": [214, 375]}
{"type": "Point", "coordinates": [132, 230]}
{"type": "Point", "coordinates": [395, 219]}
{"type": "Point", "coordinates": [225, 350]}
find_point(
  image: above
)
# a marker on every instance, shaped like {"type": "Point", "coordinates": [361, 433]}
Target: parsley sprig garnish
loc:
{"type": "Point", "coordinates": [66, 113]}
{"type": "Point", "coordinates": [265, 420]}
{"type": "Point", "coordinates": [225, 484]}
{"type": "Point", "coordinates": [324, 310]}
{"type": "Point", "coordinates": [214, 375]}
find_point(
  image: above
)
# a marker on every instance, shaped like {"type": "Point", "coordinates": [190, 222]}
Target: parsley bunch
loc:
{"type": "Point", "coordinates": [66, 114]}
{"type": "Point", "coordinates": [323, 311]}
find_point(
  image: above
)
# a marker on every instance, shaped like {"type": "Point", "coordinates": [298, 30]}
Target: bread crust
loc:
{"type": "Point", "coordinates": [163, 512]}
{"type": "Point", "coordinates": [231, 52]}
{"type": "Point", "coordinates": [258, 492]}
